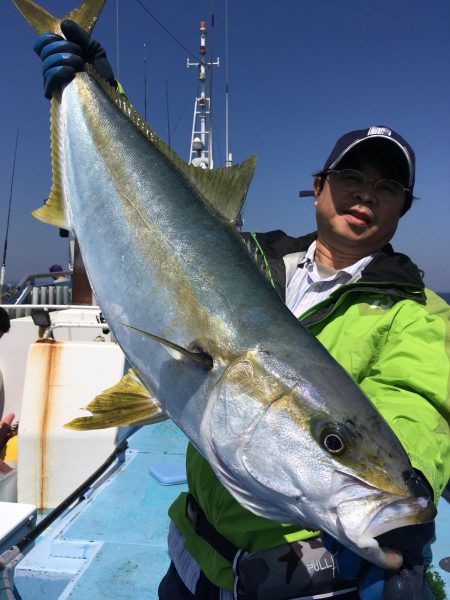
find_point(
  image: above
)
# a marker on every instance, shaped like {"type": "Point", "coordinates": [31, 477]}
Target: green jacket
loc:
{"type": "Point", "coordinates": [393, 337]}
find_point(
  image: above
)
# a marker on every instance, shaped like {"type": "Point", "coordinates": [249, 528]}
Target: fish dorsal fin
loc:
{"type": "Point", "coordinates": [53, 211]}
{"type": "Point", "coordinates": [222, 189]}
{"type": "Point", "coordinates": [127, 403]}
{"type": "Point", "coordinates": [41, 21]}
{"type": "Point", "coordinates": [200, 358]}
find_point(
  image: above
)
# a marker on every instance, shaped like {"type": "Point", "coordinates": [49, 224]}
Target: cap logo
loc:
{"type": "Point", "coordinates": [379, 131]}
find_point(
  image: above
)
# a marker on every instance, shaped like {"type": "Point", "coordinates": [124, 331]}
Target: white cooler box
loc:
{"type": "Point", "coordinates": [16, 521]}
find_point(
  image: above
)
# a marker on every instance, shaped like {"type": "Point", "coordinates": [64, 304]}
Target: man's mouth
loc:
{"type": "Point", "coordinates": [358, 217]}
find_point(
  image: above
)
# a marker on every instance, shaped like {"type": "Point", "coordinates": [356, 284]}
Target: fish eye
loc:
{"type": "Point", "coordinates": [333, 441]}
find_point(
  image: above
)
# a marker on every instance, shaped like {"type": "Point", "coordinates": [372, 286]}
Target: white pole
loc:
{"type": "Point", "coordinates": [201, 138]}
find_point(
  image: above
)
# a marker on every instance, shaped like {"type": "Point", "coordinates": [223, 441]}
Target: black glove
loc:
{"type": "Point", "coordinates": [378, 584]}
{"type": "Point", "coordinates": [408, 582]}
{"type": "Point", "coordinates": [62, 58]}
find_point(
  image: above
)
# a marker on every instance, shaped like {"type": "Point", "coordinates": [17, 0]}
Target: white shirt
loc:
{"type": "Point", "coordinates": [311, 282]}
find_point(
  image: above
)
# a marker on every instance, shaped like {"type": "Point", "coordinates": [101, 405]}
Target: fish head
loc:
{"type": "Point", "coordinates": [288, 453]}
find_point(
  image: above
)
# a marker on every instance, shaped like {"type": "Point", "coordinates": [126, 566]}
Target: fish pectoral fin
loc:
{"type": "Point", "coordinates": [127, 403]}
{"type": "Point", "coordinates": [41, 21]}
{"type": "Point", "coordinates": [202, 359]}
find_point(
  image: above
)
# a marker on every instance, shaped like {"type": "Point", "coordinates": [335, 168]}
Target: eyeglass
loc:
{"type": "Point", "coordinates": [385, 189]}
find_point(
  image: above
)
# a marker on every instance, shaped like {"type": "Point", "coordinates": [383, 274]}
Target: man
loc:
{"type": "Point", "coordinates": [57, 276]}
{"type": "Point", "coordinates": [6, 433]}
{"type": "Point", "coordinates": [369, 308]}
{"type": "Point", "coordinates": [6, 422]}
{"type": "Point", "coordinates": [5, 323]}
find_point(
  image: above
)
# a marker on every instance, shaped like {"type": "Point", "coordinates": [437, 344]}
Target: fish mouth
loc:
{"type": "Point", "coordinates": [383, 513]}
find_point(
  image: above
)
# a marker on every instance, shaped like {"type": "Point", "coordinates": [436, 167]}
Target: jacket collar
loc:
{"type": "Point", "coordinates": [394, 268]}
{"type": "Point", "coordinates": [388, 267]}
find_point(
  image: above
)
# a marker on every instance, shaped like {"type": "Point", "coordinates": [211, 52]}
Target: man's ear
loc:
{"type": "Point", "coordinates": [317, 187]}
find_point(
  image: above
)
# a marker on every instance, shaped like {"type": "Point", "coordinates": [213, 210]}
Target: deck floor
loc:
{"type": "Point", "coordinates": [115, 547]}
{"type": "Point", "coordinates": [441, 547]}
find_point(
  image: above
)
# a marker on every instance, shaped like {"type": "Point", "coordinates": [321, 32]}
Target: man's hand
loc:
{"type": "Point", "coordinates": [379, 584]}
{"type": "Point", "coordinates": [63, 58]}
{"type": "Point", "coordinates": [5, 429]}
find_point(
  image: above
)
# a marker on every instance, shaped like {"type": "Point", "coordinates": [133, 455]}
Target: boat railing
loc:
{"type": "Point", "coordinates": [70, 325]}
{"type": "Point", "coordinates": [30, 292]}
{"type": "Point", "coordinates": [24, 310]}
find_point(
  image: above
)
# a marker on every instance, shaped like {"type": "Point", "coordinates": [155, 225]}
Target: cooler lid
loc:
{"type": "Point", "coordinates": [13, 515]}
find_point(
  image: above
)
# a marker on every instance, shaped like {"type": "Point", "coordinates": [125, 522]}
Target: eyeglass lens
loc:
{"type": "Point", "coordinates": [354, 180]}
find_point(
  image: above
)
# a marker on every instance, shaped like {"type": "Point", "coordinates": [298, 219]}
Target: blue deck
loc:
{"type": "Point", "coordinates": [441, 547]}
{"type": "Point", "coordinates": [116, 547]}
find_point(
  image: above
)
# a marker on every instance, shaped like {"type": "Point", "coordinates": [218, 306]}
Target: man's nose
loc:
{"type": "Point", "coordinates": [366, 192]}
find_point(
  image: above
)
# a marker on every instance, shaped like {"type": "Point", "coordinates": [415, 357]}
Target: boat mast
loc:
{"type": "Point", "coordinates": [200, 152]}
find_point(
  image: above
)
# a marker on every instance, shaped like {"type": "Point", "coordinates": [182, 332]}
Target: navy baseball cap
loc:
{"type": "Point", "coordinates": [55, 268]}
{"type": "Point", "coordinates": [351, 140]}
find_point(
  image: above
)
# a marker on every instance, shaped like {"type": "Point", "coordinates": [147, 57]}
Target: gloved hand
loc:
{"type": "Point", "coordinates": [62, 58]}
{"type": "Point", "coordinates": [379, 584]}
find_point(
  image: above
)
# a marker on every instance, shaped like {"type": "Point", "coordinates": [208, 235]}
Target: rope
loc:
{"type": "Point", "coordinates": [166, 30]}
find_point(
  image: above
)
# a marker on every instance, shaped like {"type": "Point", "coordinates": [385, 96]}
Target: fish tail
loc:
{"type": "Point", "coordinates": [126, 403]}
{"type": "Point", "coordinates": [41, 21]}
{"type": "Point", "coordinates": [54, 211]}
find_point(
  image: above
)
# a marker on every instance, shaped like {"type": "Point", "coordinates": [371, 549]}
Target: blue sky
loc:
{"type": "Point", "coordinates": [300, 72]}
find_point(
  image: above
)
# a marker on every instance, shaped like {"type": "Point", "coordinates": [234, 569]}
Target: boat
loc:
{"type": "Point", "coordinates": [84, 514]}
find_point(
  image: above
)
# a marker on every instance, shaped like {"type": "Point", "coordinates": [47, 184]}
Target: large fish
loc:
{"type": "Point", "coordinates": [283, 426]}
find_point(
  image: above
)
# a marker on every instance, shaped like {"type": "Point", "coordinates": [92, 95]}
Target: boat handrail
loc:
{"type": "Point", "coordinates": [17, 311]}
{"type": "Point", "coordinates": [48, 332]}
{"type": "Point", "coordinates": [31, 277]}
{"type": "Point", "coordinates": [21, 299]}
{"type": "Point", "coordinates": [55, 306]}
{"type": "Point", "coordinates": [28, 284]}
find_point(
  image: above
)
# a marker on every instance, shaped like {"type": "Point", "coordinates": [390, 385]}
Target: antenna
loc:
{"type": "Point", "coordinates": [168, 117]}
{"type": "Point", "coordinates": [211, 87]}
{"type": "Point", "coordinates": [228, 156]}
{"type": "Point", "coordinates": [117, 40]}
{"type": "Point", "coordinates": [200, 152]}
{"type": "Point", "coordinates": [5, 247]}
{"type": "Point", "coordinates": [145, 84]}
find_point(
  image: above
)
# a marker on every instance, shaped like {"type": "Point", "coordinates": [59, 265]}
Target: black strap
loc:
{"type": "Point", "coordinates": [208, 532]}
